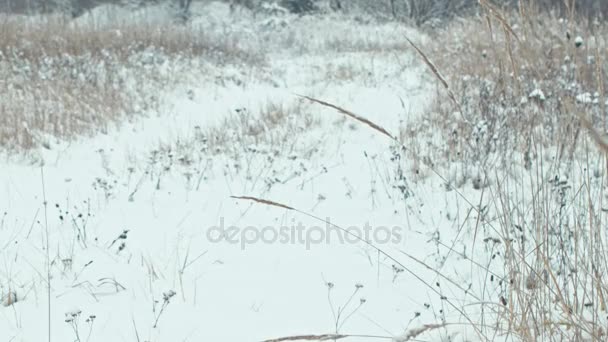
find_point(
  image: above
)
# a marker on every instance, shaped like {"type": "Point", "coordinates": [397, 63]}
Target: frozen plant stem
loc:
{"type": "Point", "coordinates": [72, 319]}
{"type": "Point", "coordinates": [91, 321]}
{"type": "Point", "coordinates": [352, 313]}
{"type": "Point", "coordinates": [337, 316]}
{"type": "Point", "coordinates": [166, 300]}
{"type": "Point", "coordinates": [331, 305]}
{"type": "Point", "coordinates": [74, 326]}
{"type": "Point", "coordinates": [48, 257]}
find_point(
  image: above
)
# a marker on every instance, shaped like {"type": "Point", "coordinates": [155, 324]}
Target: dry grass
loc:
{"type": "Point", "coordinates": [59, 80]}
{"type": "Point", "coordinates": [496, 79]}
{"type": "Point", "coordinates": [65, 80]}
{"type": "Point", "coordinates": [275, 126]}
{"type": "Point", "coordinates": [56, 36]}
{"type": "Point", "coordinates": [512, 113]}
{"type": "Point", "coordinates": [247, 142]}
{"type": "Point", "coordinates": [521, 86]}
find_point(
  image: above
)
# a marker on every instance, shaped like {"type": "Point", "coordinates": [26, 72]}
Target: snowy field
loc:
{"type": "Point", "coordinates": [117, 235]}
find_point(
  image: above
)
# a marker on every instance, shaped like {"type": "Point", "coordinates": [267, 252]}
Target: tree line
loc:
{"type": "Point", "coordinates": [418, 11]}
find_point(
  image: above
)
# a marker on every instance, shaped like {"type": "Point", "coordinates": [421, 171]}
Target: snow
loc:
{"type": "Point", "coordinates": [537, 94]}
{"type": "Point", "coordinates": [584, 98]}
{"type": "Point", "coordinates": [128, 225]}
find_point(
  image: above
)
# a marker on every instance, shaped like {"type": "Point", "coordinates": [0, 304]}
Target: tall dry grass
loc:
{"type": "Point", "coordinates": [520, 117]}
{"type": "Point", "coordinates": [530, 86]}
{"type": "Point", "coordinates": [518, 82]}
{"type": "Point", "coordinates": [60, 80]}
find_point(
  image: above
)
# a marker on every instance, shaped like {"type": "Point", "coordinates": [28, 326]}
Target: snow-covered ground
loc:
{"type": "Point", "coordinates": [128, 220]}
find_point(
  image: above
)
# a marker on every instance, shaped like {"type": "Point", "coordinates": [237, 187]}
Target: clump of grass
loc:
{"type": "Point", "coordinates": [275, 126]}
{"type": "Point", "coordinates": [512, 111]}
{"type": "Point", "coordinates": [517, 83]}
{"type": "Point", "coordinates": [61, 80]}
{"type": "Point", "coordinates": [246, 141]}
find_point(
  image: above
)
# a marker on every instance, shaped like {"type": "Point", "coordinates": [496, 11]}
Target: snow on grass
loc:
{"type": "Point", "coordinates": [128, 211]}
{"type": "Point", "coordinates": [520, 138]}
{"type": "Point", "coordinates": [457, 247]}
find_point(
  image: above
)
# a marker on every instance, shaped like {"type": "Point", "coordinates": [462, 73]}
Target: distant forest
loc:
{"type": "Point", "coordinates": [418, 11]}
